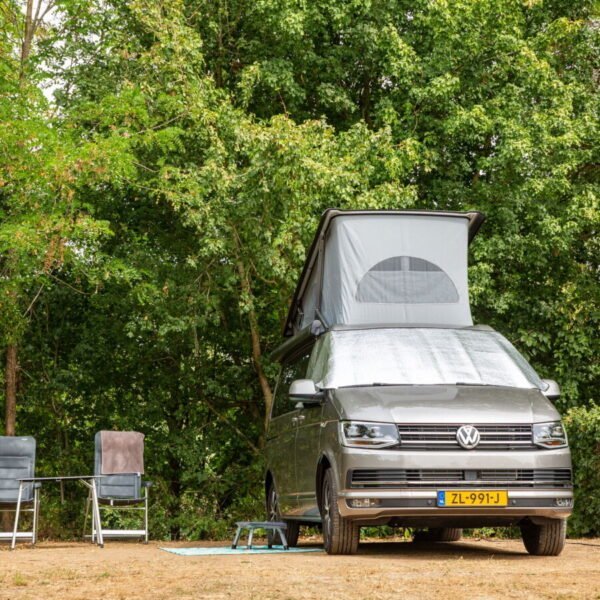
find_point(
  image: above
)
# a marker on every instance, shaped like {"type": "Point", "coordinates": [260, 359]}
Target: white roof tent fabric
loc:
{"type": "Point", "coordinates": [386, 267]}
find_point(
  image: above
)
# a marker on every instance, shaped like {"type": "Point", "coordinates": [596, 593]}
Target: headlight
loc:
{"type": "Point", "coordinates": [549, 435]}
{"type": "Point", "coordinates": [368, 435]}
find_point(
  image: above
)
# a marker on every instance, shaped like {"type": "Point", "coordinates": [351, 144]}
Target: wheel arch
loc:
{"type": "Point", "coordinates": [322, 466]}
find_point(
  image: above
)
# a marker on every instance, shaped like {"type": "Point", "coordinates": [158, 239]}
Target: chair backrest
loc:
{"type": "Point", "coordinates": [115, 487]}
{"type": "Point", "coordinates": [17, 461]}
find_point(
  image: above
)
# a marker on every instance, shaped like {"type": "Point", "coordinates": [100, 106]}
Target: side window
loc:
{"type": "Point", "coordinates": [289, 372]}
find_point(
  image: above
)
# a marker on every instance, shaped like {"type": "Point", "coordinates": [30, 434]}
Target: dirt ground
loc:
{"type": "Point", "coordinates": [382, 569]}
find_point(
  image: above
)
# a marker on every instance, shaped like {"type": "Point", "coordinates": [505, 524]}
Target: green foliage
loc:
{"type": "Point", "coordinates": [155, 213]}
{"type": "Point", "coordinates": [583, 427]}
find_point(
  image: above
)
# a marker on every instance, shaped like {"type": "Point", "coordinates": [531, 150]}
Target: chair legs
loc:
{"type": "Point", "coordinates": [35, 510]}
{"type": "Point", "coordinates": [96, 532]}
{"type": "Point", "coordinates": [36, 513]}
{"type": "Point", "coordinates": [96, 520]}
{"type": "Point", "coordinates": [86, 514]}
{"type": "Point", "coordinates": [17, 514]}
{"type": "Point", "coordinates": [95, 529]}
{"type": "Point", "coordinates": [146, 492]}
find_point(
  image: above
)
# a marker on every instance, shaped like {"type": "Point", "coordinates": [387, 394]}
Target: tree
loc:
{"type": "Point", "coordinates": [492, 105]}
{"type": "Point", "coordinates": [188, 153]}
{"type": "Point", "coordinates": [46, 226]}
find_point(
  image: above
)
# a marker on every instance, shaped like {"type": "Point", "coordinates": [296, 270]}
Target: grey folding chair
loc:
{"type": "Point", "coordinates": [118, 491]}
{"type": "Point", "coordinates": [17, 461]}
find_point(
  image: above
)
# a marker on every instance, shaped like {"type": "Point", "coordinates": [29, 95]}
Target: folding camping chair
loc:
{"type": "Point", "coordinates": [119, 489]}
{"type": "Point", "coordinates": [17, 461]}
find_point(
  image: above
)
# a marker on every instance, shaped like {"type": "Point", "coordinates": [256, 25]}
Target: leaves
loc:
{"type": "Point", "coordinates": [164, 194]}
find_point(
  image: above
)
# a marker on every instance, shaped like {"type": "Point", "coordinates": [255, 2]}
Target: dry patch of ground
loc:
{"type": "Point", "coordinates": [469, 569]}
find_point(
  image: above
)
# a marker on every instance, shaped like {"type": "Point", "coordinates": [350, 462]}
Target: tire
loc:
{"type": "Point", "coordinates": [547, 539]}
{"type": "Point", "coordinates": [340, 535]}
{"type": "Point", "coordinates": [274, 514]}
{"type": "Point", "coordinates": [447, 534]}
{"type": "Point", "coordinates": [439, 534]}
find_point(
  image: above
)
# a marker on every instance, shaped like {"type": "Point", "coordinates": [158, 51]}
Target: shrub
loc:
{"type": "Point", "coordinates": [583, 427]}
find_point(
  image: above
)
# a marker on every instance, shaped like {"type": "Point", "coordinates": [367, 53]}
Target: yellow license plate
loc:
{"type": "Point", "coordinates": [449, 498]}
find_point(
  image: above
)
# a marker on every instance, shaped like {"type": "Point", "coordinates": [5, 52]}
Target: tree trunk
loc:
{"type": "Point", "coordinates": [256, 349]}
{"type": "Point", "coordinates": [7, 518]}
{"type": "Point", "coordinates": [28, 32]}
{"type": "Point", "coordinates": [33, 18]}
{"type": "Point", "coordinates": [10, 411]}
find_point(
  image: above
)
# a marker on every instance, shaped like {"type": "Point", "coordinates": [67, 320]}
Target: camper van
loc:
{"type": "Point", "coordinates": [393, 408]}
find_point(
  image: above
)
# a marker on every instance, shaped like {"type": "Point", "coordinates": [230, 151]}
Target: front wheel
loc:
{"type": "Point", "coordinates": [547, 539]}
{"type": "Point", "coordinates": [292, 531]}
{"type": "Point", "coordinates": [340, 535]}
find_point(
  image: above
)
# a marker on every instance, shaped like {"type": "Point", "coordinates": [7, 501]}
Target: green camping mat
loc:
{"type": "Point", "coordinates": [218, 550]}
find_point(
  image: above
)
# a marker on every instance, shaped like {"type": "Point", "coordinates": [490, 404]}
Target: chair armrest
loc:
{"type": "Point", "coordinates": [147, 484]}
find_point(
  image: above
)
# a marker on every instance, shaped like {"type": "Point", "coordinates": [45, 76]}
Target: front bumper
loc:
{"type": "Point", "coordinates": [423, 503]}
{"type": "Point", "coordinates": [403, 504]}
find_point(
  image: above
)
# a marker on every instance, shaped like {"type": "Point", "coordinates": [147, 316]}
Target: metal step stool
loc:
{"type": "Point", "coordinates": [271, 527]}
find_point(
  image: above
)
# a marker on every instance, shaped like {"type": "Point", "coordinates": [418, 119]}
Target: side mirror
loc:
{"type": "Point", "coordinates": [305, 391]}
{"type": "Point", "coordinates": [552, 391]}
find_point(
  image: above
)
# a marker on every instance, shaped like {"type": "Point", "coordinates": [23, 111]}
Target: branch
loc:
{"type": "Point", "coordinates": [34, 300]}
{"type": "Point", "coordinates": [48, 8]}
{"type": "Point", "coordinates": [223, 418]}
{"type": "Point", "coordinates": [36, 18]}
{"type": "Point", "coordinates": [68, 285]}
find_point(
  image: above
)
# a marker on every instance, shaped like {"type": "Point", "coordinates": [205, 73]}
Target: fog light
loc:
{"type": "Point", "coordinates": [364, 502]}
{"type": "Point", "coordinates": [564, 502]}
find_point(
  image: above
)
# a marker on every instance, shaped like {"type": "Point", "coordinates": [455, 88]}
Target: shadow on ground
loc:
{"type": "Point", "coordinates": [432, 550]}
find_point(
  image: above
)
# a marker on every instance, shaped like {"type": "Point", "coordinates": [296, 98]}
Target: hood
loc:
{"type": "Point", "coordinates": [444, 404]}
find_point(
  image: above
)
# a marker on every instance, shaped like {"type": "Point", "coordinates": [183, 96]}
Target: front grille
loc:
{"type": "Point", "coordinates": [443, 437]}
{"type": "Point", "coordinates": [458, 478]}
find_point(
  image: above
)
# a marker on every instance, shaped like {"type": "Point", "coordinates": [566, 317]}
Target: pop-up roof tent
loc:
{"type": "Point", "coordinates": [386, 267]}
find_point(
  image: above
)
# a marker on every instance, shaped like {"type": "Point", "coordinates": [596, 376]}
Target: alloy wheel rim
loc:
{"type": "Point", "coordinates": [273, 505]}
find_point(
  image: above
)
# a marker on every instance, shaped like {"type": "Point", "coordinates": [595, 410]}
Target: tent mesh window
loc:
{"type": "Point", "coordinates": [406, 280]}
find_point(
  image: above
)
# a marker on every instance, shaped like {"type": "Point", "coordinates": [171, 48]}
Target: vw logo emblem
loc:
{"type": "Point", "coordinates": [468, 437]}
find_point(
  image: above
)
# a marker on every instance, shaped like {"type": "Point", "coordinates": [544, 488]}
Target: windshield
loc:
{"type": "Point", "coordinates": [415, 356]}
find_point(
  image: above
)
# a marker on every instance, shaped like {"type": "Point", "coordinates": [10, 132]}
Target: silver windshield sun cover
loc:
{"type": "Point", "coordinates": [415, 356]}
